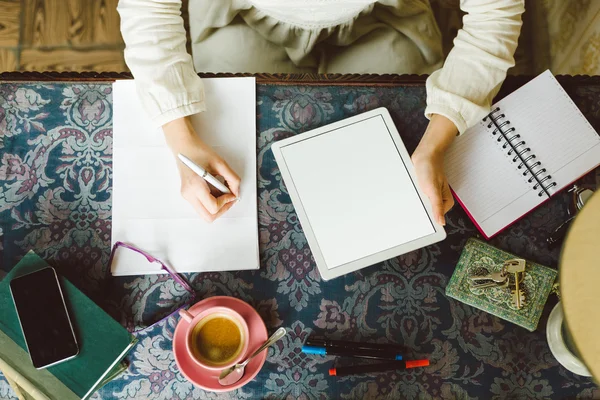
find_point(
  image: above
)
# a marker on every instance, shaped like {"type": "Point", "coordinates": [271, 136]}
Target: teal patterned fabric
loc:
{"type": "Point", "coordinates": [55, 198]}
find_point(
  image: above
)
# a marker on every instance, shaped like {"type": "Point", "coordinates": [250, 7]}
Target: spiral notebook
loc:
{"type": "Point", "coordinates": [534, 143]}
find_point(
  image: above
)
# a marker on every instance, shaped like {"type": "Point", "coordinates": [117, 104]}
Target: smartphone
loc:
{"type": "Point", "coordinates": [44, 318]}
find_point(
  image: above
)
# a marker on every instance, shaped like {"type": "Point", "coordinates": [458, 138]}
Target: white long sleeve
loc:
{"type": "Point", "coordinates": [474, 70]}
{"type": "Point", "coordinates": [462, 90]}
{"type": "Point", "coordinates": [154, 35]}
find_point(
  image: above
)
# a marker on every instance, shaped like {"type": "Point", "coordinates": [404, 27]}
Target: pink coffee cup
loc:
{"type": "Point", "coordinates": [195, 325]}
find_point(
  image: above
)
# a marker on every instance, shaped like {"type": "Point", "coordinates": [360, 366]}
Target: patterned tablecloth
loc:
{"type": "Point", "coordinates": [55, 198]}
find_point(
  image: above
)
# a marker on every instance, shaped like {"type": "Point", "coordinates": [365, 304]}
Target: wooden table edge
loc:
{"type": "Point", "coordinates": [308, 79]}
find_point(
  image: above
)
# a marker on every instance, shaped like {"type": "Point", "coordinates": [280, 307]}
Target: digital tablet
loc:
{"type": "Point", "coordinates": [354, 189]}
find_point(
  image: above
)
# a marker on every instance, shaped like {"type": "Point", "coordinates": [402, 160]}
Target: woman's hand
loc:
{"type": "Point", "coordinates": [208, 202]}
{"type": "Point", "coordinates": [428, 160]}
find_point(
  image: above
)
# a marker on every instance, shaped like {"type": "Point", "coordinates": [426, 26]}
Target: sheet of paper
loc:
{"type": "Point", "coordinates": [148, 210]}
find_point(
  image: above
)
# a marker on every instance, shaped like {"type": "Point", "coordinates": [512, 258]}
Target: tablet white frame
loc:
{"type": "Point", "coordinates": [326, 273]}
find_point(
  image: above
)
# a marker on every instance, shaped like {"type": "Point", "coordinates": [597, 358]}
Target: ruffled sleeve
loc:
{"type": "Point", "coordinates": [463, 89]}
{"type": "Point", "coordinates": [155, 52]}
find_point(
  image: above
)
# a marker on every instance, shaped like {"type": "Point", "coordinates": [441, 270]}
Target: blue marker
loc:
{"type": "Point", "coordinates": [346, 352]}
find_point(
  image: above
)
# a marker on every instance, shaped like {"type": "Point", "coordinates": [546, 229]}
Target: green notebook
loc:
{"type": "Point", "coordinates": [477, 256]}
{"type": "Point", "coordinates": [103, 342]}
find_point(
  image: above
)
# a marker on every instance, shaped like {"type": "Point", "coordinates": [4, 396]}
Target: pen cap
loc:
{"type": "Point", "coordinates": [417, 363]}
{"type": "Point", "coordinates": [314, 350]}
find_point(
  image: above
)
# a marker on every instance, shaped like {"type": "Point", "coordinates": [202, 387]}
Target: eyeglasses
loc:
{"type": "Point", "coordinates": [580, 195]}
{"type": "Point", "coordinates": [140, 324]}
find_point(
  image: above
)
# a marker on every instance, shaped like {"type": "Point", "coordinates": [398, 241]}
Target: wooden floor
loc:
{"type": "Point", "coordinates": [61, 35]}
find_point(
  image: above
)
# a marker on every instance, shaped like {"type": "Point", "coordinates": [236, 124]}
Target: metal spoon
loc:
{"type": "Point", "coordinates": [233, 374]}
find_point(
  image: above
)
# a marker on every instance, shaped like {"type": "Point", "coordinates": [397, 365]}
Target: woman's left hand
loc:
{"type": "Point", "coordinates": [428, 159]}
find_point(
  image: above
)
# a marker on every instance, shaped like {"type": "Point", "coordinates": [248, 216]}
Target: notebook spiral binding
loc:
{"type": "Point", "coordinates": [523, 155]}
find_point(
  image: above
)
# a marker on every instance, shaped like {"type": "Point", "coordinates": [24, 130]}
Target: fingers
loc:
{"type": "Point", "coordinates": [448, 200]}
{"type": "Point", "coordinates": [441, 202]}
{"type": "Point", "coordinates": [430, 176]}
{"type": "Point", "coordinates": [211, 203]}
{"type": "Point", "coordinates": [200, 210]}
{"type": "Point", "coordinates": [233, 180]}
{"type": "Point", "coordinates": [437, 205]}
{"type": "Point", "coordinates": [204, 214]}
{"type": "Point", "coordinates": [197, 192]}
{"type": "Point", "coordinates": [214, 204]}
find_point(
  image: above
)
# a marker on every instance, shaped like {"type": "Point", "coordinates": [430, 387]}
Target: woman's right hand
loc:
{"type": "Point", "coordinates": [208, 202]}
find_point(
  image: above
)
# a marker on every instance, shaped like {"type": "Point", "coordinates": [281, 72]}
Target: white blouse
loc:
{"type": "Point", "coordinates": [462, 90]}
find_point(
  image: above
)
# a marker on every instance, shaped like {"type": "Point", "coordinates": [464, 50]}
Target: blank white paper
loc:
{"type": "Point", "coordinates": [340, 177]}
{"type": "Point", "coordinates": [147, 208]}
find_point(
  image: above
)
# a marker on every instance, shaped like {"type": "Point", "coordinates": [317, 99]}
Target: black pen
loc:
{"type": "Point", "coordinates": [389, 366]}
{"type": "Point", "coordinates": [359, 353]}
{"type": "Point", "coordinates": [353, 345]}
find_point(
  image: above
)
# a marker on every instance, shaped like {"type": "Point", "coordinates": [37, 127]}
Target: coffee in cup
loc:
{"type": "Point", "coordinates": [217, 337]}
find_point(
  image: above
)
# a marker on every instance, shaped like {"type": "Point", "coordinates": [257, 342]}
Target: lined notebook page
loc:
{"type": "Point", "coordinates": [485, 179]}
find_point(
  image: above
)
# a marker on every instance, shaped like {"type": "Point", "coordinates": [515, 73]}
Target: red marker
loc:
{"type": "Point", "coordinates": [389, 366]}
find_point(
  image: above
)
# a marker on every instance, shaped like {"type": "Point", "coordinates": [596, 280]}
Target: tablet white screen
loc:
{"type": "Point", "coordinates": [356, 192]}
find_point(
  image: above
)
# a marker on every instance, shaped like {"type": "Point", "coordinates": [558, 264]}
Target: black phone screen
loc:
{"type": "Point", "coordinates": [43, 317]}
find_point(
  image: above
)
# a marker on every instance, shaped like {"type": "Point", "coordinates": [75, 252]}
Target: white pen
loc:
{"type": "Point", "coordinates": [204, 174]}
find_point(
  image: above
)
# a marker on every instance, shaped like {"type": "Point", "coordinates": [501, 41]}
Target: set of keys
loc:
{"type": "Point", "coordinates": [501, 279]}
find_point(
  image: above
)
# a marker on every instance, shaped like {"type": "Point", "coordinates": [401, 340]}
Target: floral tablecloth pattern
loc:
{"type": "Point", "coordinates": [55, 198]}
